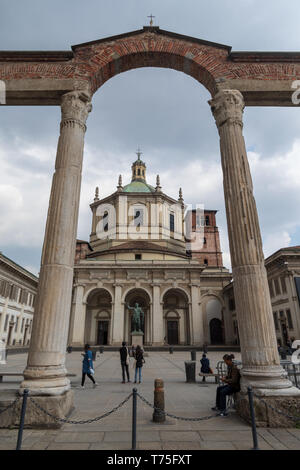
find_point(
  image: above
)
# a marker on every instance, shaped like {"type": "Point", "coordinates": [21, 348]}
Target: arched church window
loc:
{"type": "Point", "coordinates": [105, 221]}
{"type": "Point", "coordinates": [138, 217]}
{"type": "Point", "coordinates": [172, 222]}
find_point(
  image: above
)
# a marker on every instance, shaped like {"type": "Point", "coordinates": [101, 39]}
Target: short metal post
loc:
{"type": "Point", "coordinates": [134, 403]}
{"type": "Point", "coordinates": [252, 415]}
{"type": "Point", "coordinates": [22, 419]}
{"type": "Point", "coordinates": [295, 375]}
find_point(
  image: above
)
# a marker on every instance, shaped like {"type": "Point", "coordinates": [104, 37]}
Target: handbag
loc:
{"type": "Point", "coordinates": [92, 372]}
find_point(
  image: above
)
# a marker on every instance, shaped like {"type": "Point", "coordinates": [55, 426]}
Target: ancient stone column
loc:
{"type": "Point", "coordinates": [261, 365]}
{"type": "Point", "coordinates": [45, 373]}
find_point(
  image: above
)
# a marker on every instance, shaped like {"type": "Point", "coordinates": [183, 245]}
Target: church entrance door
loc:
{"type": "Point", "coordinates": [172, 331]}
{"type": "Point", "coordinates": [102, 332]}
{"type": "Point", "coordinates": [216, 333]}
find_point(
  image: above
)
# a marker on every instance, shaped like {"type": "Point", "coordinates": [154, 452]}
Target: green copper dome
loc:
{"type": "Point", "coordinates": [138, 187]}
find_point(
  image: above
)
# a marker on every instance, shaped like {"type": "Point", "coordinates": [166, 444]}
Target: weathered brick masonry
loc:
{"type": "Point", "coordinates": [91, 64]}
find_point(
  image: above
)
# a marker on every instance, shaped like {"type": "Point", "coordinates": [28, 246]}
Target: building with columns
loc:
{"type": "Point", "coordinates": [141, 251]}
{"type": "Point", "coordinates": [283, 271]}
{"type": "Point", "coordinates": [168, 281]}
{"type": "Point", "coordinates": [18, 289]}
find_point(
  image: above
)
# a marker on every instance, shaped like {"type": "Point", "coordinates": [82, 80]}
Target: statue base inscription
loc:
{"type": "Point", "coordinates": [137, 338]}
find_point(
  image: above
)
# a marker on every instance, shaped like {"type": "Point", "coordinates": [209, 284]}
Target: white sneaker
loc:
{"type": "Point", "coordinates": [95, 385]}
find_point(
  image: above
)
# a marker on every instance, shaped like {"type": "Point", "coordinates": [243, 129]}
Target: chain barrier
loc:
{"type": "Point", "coordinates": [10, 405]}
{"type": "Point", "coordinates": [293, 418]}
{"type": "Point", "coordinates": [160, 411]}
{"type": "Point", "coordinates": [88, 421]}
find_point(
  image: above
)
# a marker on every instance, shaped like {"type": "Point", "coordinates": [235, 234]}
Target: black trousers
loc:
{"type": "Point", "coordinates": [125, 367]}
{"type": "Point", "coordinates": [89, 376]}
{"type": "Point", "coordinates": [222, 392]}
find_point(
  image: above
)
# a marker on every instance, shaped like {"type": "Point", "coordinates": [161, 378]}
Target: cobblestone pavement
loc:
{"type": "Point", "coordinates": [114, 431]}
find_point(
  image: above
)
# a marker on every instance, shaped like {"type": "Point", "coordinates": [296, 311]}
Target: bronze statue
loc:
{"type": "Point", "coordinates": [137, 318]}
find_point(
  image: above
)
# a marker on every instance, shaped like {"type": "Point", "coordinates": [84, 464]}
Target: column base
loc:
{"type": "Point", "coordinates": [267, 409]}
{"type": "Point", "coordinates": [48, 381]}
{"type": "Point", "coordinates": [270, 380]}
{"type": "Point", "coordinates": [60, 406]}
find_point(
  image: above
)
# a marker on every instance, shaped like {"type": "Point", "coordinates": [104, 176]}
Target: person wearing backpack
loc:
{"type": "Point", "coordinates": [139, 358]}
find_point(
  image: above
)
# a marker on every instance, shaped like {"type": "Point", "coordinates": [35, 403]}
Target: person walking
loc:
{"type": "Point", "coordinates": [232, 381]}
{"type": "Point", "coordinates": [124, 357]}
{"type": "Point", "coordinates": [139, 358]}
{"type": "Point", "coordinates": [205, 368]}
{"type": "Point", "coordinates": [87, 366]}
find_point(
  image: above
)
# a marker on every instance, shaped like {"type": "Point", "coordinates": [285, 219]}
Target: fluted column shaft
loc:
{"type": "Point", "coordinates": [261, 365]}
{"type": "Point", "coordinates": [45, 372]}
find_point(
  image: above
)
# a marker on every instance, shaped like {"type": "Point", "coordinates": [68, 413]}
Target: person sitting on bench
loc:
{"type": "Point", "coordinates": [205, 369]}
{"type": "Point", "coordinates": [232, 381]}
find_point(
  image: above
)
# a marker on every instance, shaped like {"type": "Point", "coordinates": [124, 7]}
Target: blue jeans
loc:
{"type": "Point", "coordinates": [222, 392]}
{"type": "Point", "coordinates": [140, 373]}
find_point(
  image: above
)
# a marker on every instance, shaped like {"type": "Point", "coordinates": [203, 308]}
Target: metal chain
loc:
{"type": "Point", "coordinates": [11, 405]}
{"type": "Point", "coordinates": [64, 420]}
{"type": "Point", "coordinates": [160, 411]}
{"type": "Point", "coordinates": [293, 418]}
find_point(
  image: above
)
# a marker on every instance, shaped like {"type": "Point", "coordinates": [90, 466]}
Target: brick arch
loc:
{"type": "Point", "coordinates": [99, 61]}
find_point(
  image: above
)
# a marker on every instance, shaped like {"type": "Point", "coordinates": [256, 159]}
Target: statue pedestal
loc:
{"type": "Point", "coordinates": [137, 338]}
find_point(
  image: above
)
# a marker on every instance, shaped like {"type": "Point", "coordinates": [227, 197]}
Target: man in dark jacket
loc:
{"type": "Point", "coordinates": [232, 381]}
{"type": "Point", "coordinates": [124, 356]}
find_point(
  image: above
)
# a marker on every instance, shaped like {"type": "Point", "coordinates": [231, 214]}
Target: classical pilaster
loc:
{"type": "Point", "coordinates": [261, 366]}
{"type": "Point", "coordinates": [158, 321]}
{"type": "Point", "coordinates": [77, 323]}
{"type": "Point", "coordinates": [197, 319]}
{"type": "Point", "coordinates": [118, 314]}
{"type": "Point", "coordinates": [45, 373]}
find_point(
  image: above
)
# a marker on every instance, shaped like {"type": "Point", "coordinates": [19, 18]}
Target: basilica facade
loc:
{"type": "Point", "coordinates": [145, 248]}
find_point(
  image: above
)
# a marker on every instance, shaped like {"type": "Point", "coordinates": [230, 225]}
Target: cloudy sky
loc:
{"type": "Point", "coordinates": [162, 111]}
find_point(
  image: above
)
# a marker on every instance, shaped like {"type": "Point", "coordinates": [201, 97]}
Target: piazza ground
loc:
{"type": "Point", "coordinates": [114, 431]}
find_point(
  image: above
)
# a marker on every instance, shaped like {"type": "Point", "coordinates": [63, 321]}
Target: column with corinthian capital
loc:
{"type": "Point", "coordinates": [45, 373]}
{"type": "Point", "coordinates": [261, 365]}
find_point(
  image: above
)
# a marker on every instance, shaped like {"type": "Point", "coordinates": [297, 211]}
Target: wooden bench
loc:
{"type": "Point", "coordinates": [18, 374]}
{"type": "Point", "coordinates": [216, 376]}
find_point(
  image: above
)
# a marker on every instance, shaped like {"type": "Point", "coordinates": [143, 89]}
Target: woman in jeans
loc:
{"type": "Point", "coordinates": [139, 357]}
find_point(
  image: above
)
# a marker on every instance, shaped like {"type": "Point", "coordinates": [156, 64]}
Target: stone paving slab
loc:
{"type": "Point", "coordinates": [224, 435]}
{"type": "Point", "coordinates": [80, 436]}
{"type": "Point", "coordinates": [114, 431]}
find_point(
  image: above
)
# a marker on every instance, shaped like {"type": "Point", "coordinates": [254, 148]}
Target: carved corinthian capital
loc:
{"type": "Point", "coordinates": [75, 107]}
{"type": "Point", "coordinates": [228, 105]}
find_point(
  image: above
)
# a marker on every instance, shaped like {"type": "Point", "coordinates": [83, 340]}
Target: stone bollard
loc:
{"type": "Point", "coordinates": [190, 371]}
{"type": "Point", "coordinates": [159, 401]}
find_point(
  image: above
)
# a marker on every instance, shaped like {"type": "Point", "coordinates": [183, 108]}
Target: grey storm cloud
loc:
{"type": "Point", "coordinates": [163, 111]}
